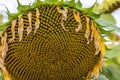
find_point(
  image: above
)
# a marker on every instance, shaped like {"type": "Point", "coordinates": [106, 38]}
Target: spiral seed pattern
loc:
{"type": "Point", "coordinates": [51, 53]}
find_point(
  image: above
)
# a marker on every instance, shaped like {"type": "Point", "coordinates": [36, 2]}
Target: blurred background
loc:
{"type": "Point", "coordinates": [111, 66]}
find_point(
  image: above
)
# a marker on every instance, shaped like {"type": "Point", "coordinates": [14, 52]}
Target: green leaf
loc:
{"type": "Point", "coordinates": [51, 1]}
{"type": "Point", "coordinates": [114, 52]}
{"type": "Point", "coordinates": [1, 75]}
{"type": "Point", "coordinates": [108, 17]}
{"type": "Point", "coordinates": [10, 15]}
{"type": "Point", "coordinates": [102, 30]}
{"type": "Point", "coordinates": [14, 78]}
{"type": "Point", "coordinates": [36, 3]}
{"type": "Point", "coordinates": [102, 77]}
{"type": "Point", "coordinates": [81, 79]}
{"type": "Point", "coordinates": [94, 15]}
{"type": "Point", "coordinates": [92, 7]}
{"type": "Point", "coordinates": [111, 68]}
{"type": "Point", "coordinates": [21, 8]}
{"type": "Point", "coordinates": [111, 72]}
{"type": "Point", "coordinates": [2, 26]}
{"type": "Point", "coordinates": [107, 25]}
{"type": "Point", "coordinates": [89, 10]}
{"type": "Point", "coordinates": [78, 4]}
{"type": "Point", "coordinates": [71, 3]}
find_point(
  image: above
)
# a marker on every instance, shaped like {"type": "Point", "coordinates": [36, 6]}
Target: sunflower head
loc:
{"type": "Point", "coordinates": [53, 40]}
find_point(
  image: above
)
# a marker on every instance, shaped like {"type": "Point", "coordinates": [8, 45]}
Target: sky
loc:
{"type": "Point", "coordinates": [12, 6]}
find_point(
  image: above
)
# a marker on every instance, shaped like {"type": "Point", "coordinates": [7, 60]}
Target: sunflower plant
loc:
{"type": "Point", "coordinates": [56, 40]}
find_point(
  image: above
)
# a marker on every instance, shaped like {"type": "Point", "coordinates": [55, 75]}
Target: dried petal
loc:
{"type": "Point", "coordinates": [4, 46]}
{"type": "Point", "coordinates": [29, 29]}
{"type": "Point", "coordinates": [91, 36]}
{"type": "Point", "coordinates": [62, 24]}
{"type": "Point", "coordinates": [96, 70]}
{"type": "Point", "coordinates": [64, 17]}
{"type": "Point", "coordinates": [88, 75]}
{"type": "Point", "coordinates": [37, 23]}
{"type": "Point", "coordinates": [20, 29]}
{"type": "Point", "coordinates": [87, 34]}
{"type": "Point", "coordinates": [77, 18]}
{"type": "Point", "coordinates": [13, 30]}
{"type": "Point", "coordinates": [97, 47]}
{"type": "Point", "coordinates": [63, 12]}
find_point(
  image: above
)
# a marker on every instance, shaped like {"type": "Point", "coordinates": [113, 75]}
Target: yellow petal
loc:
{"type": "Point", "coordinates": [77, 18]}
